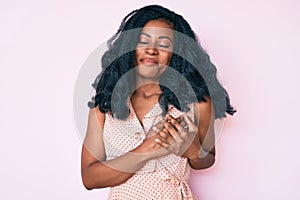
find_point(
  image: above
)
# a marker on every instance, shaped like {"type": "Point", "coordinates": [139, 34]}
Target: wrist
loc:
{"type": "Point", "coordinates": [140, 154]}
{"type": "Point", "coordinates": [138, 158]}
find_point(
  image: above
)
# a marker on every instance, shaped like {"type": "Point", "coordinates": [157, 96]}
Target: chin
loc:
{"type": "Point", "coordinates": [150, 72]}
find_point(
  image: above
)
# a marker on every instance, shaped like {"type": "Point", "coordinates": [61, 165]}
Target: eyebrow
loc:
{"type": "Point", "coordinates": [160, 37]}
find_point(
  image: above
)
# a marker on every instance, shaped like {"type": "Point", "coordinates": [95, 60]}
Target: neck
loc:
{"type": "Point", "coordinates": [147, 90]}
{"type": "Point", "coordinates": [146, 87]}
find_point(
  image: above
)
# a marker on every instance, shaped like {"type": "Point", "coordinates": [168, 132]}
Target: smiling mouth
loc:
{"type": "Point", "coordinates": [147, 61]}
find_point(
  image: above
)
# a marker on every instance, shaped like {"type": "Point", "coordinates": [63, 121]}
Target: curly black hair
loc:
{"type": "Point", "coordinates": [189, 59]}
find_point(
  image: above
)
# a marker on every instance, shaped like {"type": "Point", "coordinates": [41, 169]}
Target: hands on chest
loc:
{"type": "Point", "coordinates": [172, 135]}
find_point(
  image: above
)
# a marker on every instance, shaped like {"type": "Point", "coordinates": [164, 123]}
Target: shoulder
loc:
{"type": "Point", "coordinates": [204, 112]}
{"type": "Point", "coordinates": [204, 107]}
{"type": "Point", "coordinates": [96, 117]}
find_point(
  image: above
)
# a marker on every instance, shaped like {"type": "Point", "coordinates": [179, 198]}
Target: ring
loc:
{"type": "Point", "coordinates": [186, 126]}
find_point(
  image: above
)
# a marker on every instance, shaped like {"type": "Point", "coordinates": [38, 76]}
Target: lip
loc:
{"type": "Point", "coordinates": [148, 61]}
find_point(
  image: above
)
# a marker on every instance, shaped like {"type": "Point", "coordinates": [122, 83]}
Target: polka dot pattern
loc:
{"type": "Point", "coordinates": [163, 178]}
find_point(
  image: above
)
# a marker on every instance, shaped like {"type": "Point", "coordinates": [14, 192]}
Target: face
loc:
{"type": "Point", "coordinates": [154, 49]}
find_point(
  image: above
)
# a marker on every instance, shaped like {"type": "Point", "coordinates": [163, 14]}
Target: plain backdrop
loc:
{"type": "Point", "coordinates": [254, 44]}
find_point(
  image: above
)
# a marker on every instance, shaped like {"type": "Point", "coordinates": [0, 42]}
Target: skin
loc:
{"type": "Point", "coordinates": [154, 51]}
{"type": "Point", "coordinates": [153, 54]}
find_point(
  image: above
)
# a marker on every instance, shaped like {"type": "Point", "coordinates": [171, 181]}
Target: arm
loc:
{"type": "Point", "coordinates": [204, 152]}
{"type": "Point", "coordinates": [196, 143]}
{"type": "Point", "coordinates": [96, 171]}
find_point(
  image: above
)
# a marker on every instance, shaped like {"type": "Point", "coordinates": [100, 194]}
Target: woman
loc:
{"type": "Point", "coordinates": [144, 130]}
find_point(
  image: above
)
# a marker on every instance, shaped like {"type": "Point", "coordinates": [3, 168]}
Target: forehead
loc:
{"type": "Point", "coordinates": [158, 27]}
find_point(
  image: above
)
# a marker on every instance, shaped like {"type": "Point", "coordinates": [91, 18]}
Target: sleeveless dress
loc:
{"type": "Point", "coordinates": [165, 178]}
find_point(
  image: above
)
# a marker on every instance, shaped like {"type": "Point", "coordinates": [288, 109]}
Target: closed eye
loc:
{"type": "Point", "coordinates": [164, 46]}
{"type": "Point", "coordinates": [142, 42]}
{"type": "Point", "coordinates": [164, 43]}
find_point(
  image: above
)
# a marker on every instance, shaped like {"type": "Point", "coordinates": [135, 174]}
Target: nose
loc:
{"type": "Point", "coordinates": [151, 51]}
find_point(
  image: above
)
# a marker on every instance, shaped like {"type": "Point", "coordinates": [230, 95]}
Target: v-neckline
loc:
{"type": "Point", "coordinates": [146, 115]}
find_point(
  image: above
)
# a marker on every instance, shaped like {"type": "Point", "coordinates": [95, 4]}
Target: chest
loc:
{"type": "Point", "coordinates": [141, 108]}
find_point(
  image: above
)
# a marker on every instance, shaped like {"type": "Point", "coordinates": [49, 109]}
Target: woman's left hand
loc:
{"type": "Point", "coordinates": [181, 137]}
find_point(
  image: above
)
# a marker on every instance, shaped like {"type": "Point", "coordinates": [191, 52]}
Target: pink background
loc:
{"type": "Point", "coordinates": [255, 45]}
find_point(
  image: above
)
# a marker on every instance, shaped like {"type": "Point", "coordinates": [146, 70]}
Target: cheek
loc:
{"type": "Point", "coordinates": [165, 57]}
{"type": "Point", "coordinates": [168, 57]}
{"type": "Point", "coordinates": [136, 57]}
{"type": "Point", "coordinates": [136, 54]}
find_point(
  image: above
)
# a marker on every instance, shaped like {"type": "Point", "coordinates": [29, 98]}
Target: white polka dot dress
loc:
{"type": "Point", "coordinates": [165, 178]}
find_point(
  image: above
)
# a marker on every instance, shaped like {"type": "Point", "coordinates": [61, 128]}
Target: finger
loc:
{"type": "Point", "coordinates": [168, 117]}
{"type": "Point", "coordinates": [162, 139]}
{"type": "Point", "coordinates": [171, 129]}
{"type": "Point", "coordinates": [181, 131]}
{"type": "Point", "coordinates": [173, 121]}
{"type": "Point", "coordinates": [171, 147]}
{"type": "Point", "coordinates": [179, 119]}
{"type": "Point", "coordinates": [187, 119]}
{"type": "Point", "coordinates": [174, 133]}
{"type": "Point", "coordinates": [159, 129]}
{"type": "Point", "coordinates": [181, 122]}
{"type": "Point", "coordinates": [189, 122]}
{"type": "Point", "coordinates": [173, 143]}
{"type": "Point", "coordinates": [164, 133]}
{"type": "Point", "coordinates": [163, 144]}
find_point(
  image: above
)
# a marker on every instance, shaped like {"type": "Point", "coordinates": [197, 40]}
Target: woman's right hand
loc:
{"type": "Point", "coordinates": [149, 147]}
